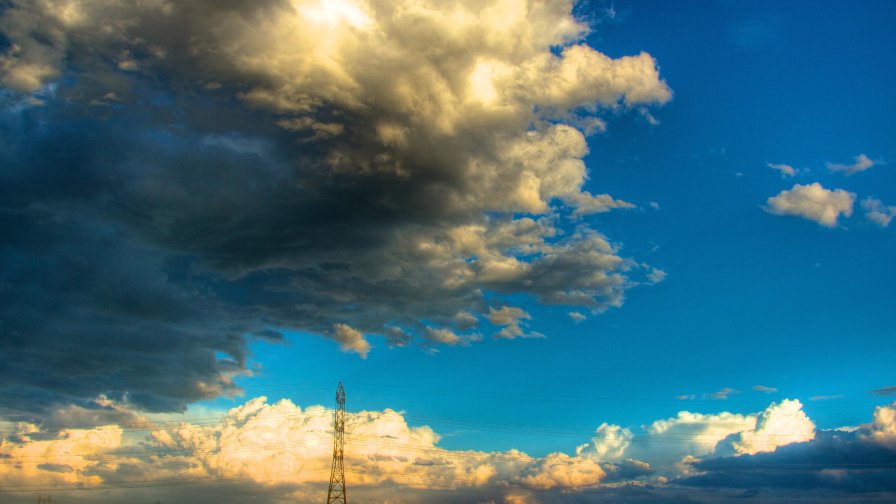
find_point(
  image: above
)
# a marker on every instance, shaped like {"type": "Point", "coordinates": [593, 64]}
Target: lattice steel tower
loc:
{"type": "Point", "coordinates": [337, 473]}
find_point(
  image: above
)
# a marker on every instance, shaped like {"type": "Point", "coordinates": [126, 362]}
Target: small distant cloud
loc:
{"type": "Point", "coordinates": [656, 276]}
{"type": "Point", "coordinates": [825, 397]}
{"type": "Point", "coordinates": [785, 169]}
{"type": "Point", "coordinates": [576, 316]}
{"type": "Point", "coordinates": [763, 388]}
{"type": "Point", "coordinates": [862, 163]}
{"type": "Point", "coordinates": [654, 205]}
{"type": "Point", "coordinates": [813, 202]}
{"type": "Point", "coordinates": [886, 391]}
{"type": "Point", "coordinates": [645, 113]}
{"type": "Point", "coordinates": [879, 213]}
{"type": "Point", "coordinates": [686, 397]}
{"type": "Point", "coordinates": [721, 394]}
{"type": "Point", "coordinates": [511, 318]}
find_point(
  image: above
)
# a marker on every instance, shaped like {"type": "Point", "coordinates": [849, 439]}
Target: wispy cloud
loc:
{"type": "Point", "coordinates": [886, 391]}
{"type": "Point", "coordinates": [784, 169]}
{"type": "Point", "coordinates": [862, 163]}
{"type": "Point", "coordinates": [725, 393]}
{"type": "Point", "coordinates": [826, 397]}
{"type": "Point", "coordinates": [763, 388]}
{"type": "Point", "coordinates": [877, 212]}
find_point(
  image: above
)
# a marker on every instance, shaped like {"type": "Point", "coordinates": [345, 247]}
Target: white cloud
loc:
{"type": "Point", "coordinates": [351, 340]}
{"type": "Point", "coordinates": [813, 202]}
{"type": "Point", "coordinates": [785, 169]}
{"type": "Point", "coordinates": [577, 316]}
{"type": "Point", "coordinates": [862, 163]}
{"type": "Point", "coordinates": [780, 424]}
{"type": "Point", "coordinates": [283, 447]}
{"type": "Point", "coordinates": [763, 388]}
{"type": "Point", "coordinates": [879, 213]}
{"type": "Point", "coordinates": [883, 427]}
{"type": "Point", "coordinates": [656, 275]}
{"type": "Point", "coordinates": [512, 318]}
{"type": "Point", "coordinates": [609, 443]}
{"type": "Point", "coordinates": [559, 470]}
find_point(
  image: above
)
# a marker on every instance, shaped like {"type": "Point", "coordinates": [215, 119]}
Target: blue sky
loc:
{"type": "Point", "coordinates": [208, 204]}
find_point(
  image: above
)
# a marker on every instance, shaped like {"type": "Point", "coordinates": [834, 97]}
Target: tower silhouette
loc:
{"type": "Point", "coordinates": [336, 493]}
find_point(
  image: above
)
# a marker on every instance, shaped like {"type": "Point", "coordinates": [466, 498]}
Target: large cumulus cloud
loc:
{"type": "Point", "coordinates": [862, 459]}
{"type": "Point", "coordinates": [181, 176]}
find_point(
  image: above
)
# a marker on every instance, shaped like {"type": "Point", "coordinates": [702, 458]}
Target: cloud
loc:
{"type": "Point", "coordinates": [780, 424]}
{"type": "Point", "coordinates": [813, 202]}
{"type": "Point", "coordinates": [877, 212]}
{"type": "Point", "coordinates": [577, 316]}
{"type": "Point", "coordinates": [280, 450]}
{"type": "Point", "coordinates": [860, 460]}
{"type": "Point", "coordinates": [656, 275]}
{"type": "Point", "coordinates": [825, 397]}
{"type": "Point", "coordinates": [886, 391]}
{"type": "Point", "coordinates": [862, 163]}
{"type": "Point", "coordinates": [279, 447]}
{"type": "Point", "coordinates": [192, 176]}
{"type": "Point", "coordinates": [784, 169]}
{"type": "Point", "coordinates": [512, 318]}
{"type": "Point", "coordinates": [721, 394]}
{"type": "Point", "coordinates": [763, 388]}
{"type": "Point", "coordinates": [350, 340]}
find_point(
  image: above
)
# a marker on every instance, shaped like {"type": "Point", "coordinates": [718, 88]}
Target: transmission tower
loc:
{"type": "Point", "coordinates": [336, 494]}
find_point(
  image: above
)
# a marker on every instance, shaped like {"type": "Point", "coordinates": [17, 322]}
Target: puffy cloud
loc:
{"type": "Point", "coordinates": [512, 320]}
{"type": "Point", "coordinates": [862, 163]}
{"type": "Point", "coordinates": [857, 460]}
{"type": "Point", "coordinates": [785, 169]}
{"type": "Point", "coordinates": [688, 434]}
{"type": "Point", "coordinates": [203, 173]}
{"type": "Point", "coordinates": [350, 340]}
{"type": "Point", "coordinates": [282, 448]}
{"type": "Point", "coordinates": [882, 430]}
{"type": "Point", "coordinates": [608, 443]}
{"type": "Point", "coordinates": [877, 212]}
{"type": "Point", "coordinates": [780, 424]}
{"type": "Point", "coordinates": [813, 202]}
{"type": "Point", "coordinates": [561, 470]}
{"type": "Point", "coordinates": [30, 457]}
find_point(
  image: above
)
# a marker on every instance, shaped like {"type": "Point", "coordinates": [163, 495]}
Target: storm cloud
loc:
{"type": "Point", "coordinates": [180, 178]}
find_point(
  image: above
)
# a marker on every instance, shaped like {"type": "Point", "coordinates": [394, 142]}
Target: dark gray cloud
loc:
{"type": "Point", "coordinates": [837, 460]}
{"type": "Point", "coordinates": [180, 178]}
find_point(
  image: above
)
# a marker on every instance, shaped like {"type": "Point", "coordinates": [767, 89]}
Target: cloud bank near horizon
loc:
{"type": "Point", "coordinates": [282, 449]}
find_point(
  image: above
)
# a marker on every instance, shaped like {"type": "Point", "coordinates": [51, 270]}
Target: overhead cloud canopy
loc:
{"type": "Point", "coordinates": [179, 175]}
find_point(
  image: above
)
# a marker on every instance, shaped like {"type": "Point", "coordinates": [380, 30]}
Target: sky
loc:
{"type": "Point", "coordinates": [555, 251]}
